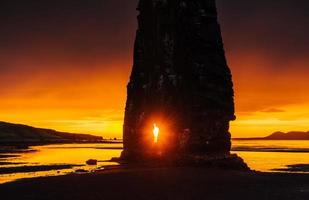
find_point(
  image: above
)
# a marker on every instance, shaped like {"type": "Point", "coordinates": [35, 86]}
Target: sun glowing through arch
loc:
{"type": "Point", "coordinates": [155, 131]}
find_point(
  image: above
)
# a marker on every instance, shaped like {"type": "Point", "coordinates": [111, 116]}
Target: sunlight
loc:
{"type": "Point", "coordinates": [155, 131]}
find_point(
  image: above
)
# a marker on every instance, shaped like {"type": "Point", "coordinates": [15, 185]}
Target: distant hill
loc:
{"type": "Point", "coordinates": [293, 135]}
{"type": "Point", "coordinates": [22, 133]}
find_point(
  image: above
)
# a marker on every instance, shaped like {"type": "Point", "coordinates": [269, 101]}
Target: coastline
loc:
{"type": "Point", "coordinates": [162, 183]}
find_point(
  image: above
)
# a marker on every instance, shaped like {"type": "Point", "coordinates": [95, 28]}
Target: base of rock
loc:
{"type": "Point", "coordinates": [230, 161]}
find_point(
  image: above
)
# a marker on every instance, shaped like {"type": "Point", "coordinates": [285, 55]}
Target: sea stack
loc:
{"type": "Point", "coordinates": [180, 83]}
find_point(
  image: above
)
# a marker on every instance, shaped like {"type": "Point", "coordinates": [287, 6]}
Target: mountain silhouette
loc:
{"type": "Point", "coordinates": [292, 135]}
{"type": "Point", "coordinates": [22, 133]}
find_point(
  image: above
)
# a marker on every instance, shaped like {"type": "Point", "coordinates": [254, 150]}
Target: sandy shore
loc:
{"type": "Point", "coordinates": [32, 169]}
{"type": "Point", "coordinates": [162, 183]}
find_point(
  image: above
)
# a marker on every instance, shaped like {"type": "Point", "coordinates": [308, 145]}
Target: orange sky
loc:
{"type": "Point", "coordinates": [69, 71]}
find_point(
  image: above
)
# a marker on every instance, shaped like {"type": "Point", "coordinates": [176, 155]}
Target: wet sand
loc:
{"type": "Point", "coordinates": [38, 168]}
{"type": "Point", "coordinates": [162, 183]}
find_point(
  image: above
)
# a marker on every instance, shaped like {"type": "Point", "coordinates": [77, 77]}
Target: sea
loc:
{"type": "Point", "coordinates": [260, 155]}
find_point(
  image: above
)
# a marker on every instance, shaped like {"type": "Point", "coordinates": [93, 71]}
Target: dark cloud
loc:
{"type": "Point", "coordinates": [275, 29]}
{"type": "Point", "coordinates": [71, 31]}
{"type": "Point", "coordinates": [273, 110]}
{"type": "Point", "coordinates": [92, 30]}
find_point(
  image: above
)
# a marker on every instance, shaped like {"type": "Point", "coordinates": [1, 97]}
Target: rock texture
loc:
{"type": "Point", "coordinates": [180, 80]}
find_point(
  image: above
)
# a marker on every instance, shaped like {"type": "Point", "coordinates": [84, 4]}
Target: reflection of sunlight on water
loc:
{"type": "Point", "coordinates": [71, 153]}
{"type": "Point", "coordinates": [252, 153]}
{"type": "Point", "coordinates": [260, 155]}
{"type": "Point", "coordinates": [63, 154]}
{"type": "Point", "coordinates": [283, 144]}
{"type": "Point", "coordinates": [266, 161]}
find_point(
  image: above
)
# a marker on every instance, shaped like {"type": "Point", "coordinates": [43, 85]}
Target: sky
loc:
{"type": "Point", "coordinates": [65, 64]}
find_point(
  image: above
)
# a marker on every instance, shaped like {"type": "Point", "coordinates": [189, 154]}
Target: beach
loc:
{"type": "Point", "coordinates": [278, 162]}
{"type": "Point", "coordinates": [61, 159]}
{"type": "Point", "coordinates": [162, 183]}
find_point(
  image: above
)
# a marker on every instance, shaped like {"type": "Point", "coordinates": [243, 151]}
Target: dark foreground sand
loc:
{"type": "Point", "coordinates": [162, 183]}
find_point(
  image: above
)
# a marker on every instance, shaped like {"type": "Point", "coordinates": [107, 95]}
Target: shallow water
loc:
{"type": "Point", "coordinates": [76, 154]}
{"type": "Point", "coordinates": [260, 155]}
{"type": "Point", "coordinates": [270, 155]}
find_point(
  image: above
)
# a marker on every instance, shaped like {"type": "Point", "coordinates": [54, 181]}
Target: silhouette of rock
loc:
{"type": "Point", "coordinates": [294, 168]}
{"type": "Point", "coordinates": [81, 171]}
{"type": "Point", "coordinates": [180, 80]}
{"type": "Point", "coordinates": [91, 162]}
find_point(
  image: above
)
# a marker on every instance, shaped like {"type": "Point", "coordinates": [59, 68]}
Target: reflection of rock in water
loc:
{"type": "Point", "coordinates": [179, 76]}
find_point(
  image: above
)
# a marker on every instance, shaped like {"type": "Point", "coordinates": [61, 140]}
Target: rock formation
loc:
{"type": "Point", "coordinates": [180, 80]}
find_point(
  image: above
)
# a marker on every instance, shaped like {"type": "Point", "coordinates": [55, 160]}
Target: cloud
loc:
{"type": "Point", "coordinates": [273, 110]}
